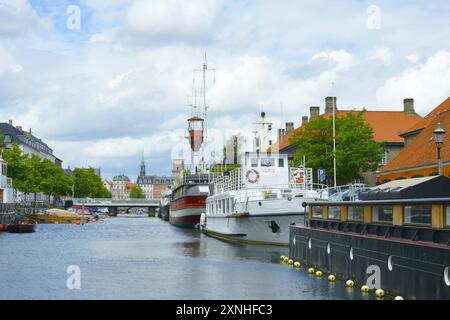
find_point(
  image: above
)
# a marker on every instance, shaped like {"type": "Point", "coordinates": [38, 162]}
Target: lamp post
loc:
{"type": "Point", "coordinates": [439, 139]}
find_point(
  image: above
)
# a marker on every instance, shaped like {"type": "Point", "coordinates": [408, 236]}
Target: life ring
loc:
{"type": "Point", "coordinates": [298, 176]}
{"type": "Point", "coordinates": [252, 176]}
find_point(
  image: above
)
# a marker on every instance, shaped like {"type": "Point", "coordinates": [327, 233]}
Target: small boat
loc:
{"type": "Point", "coordinates": [57, 216]}
{"type": "Point", "coordinates": [22, 226]}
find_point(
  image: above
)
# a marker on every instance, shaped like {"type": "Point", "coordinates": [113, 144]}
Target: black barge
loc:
{"type": "Point", "coordinates": [401, 229]}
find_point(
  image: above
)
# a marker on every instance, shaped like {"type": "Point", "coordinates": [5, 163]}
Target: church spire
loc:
{"type": "Point", "coordinates": [142, 173]}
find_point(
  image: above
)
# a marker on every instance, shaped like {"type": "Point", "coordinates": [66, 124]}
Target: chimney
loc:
{"type": "Point", "coordinates": [289, 127]}
{"type": "Point", "coordinates": [280, 134]}
{"type": "Point", "coordinates": [408, 106]}
{"type": "Point", "coordinates": [10, 122]}
{"type": "Point", "coordinates": [30, 131]}
{"type": "Point", "coordinates": [314, 112]}
{"type": "Point", "coordinates": [329, 103]}
{"type": "Point", "coordinates": [304, 120]}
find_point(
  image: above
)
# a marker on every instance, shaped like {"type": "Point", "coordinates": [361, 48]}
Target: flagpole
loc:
{"type": "Point", "coordinates": [334, 140]}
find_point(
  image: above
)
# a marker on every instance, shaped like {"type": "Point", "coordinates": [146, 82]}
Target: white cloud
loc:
{"type": "Point", "coordinates": [16, 68]}
{"type": "Point", "coordinates": [427, 83]}
{"type": "Point", "coordinates": [381, 54]}
{"type": "Point", "coordinates": [171, 19]}
{"type": "Point", "coordinates": [412, 58]}
{"type": "Point", "coordinates": [18, 16]}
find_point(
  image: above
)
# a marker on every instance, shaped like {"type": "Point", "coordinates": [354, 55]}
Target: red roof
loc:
{"type": "Point", "coordinates": [386, 125]}
{"type": "Point", "coordinates": [444, 106]}
{"type": "Point", "coordinates": [422, 150]}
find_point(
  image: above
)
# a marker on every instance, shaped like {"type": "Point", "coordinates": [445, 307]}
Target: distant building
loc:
{"type": "Point", "coordinates": [27, 142]}
{"type": "Point", "coordinates": [145, 182]}
{"type": "Point", "coordinates": [419, 157]}
{"type": "Point", "coordinates": [177, 167]}
{"type": "Point", "coordinates": [69, 171]}
{"type": "Point", "coordinates": [160, 184]}
{"type": "Point", "coordinates": [108, 185]}
{"type": "Point", "coordinates": [119, 185]}
{"type": "Point", "coordinates": [386, 125]}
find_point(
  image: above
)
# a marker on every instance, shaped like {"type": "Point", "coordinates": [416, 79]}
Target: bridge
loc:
{"type": "Point", "coordinates": [113, 205]}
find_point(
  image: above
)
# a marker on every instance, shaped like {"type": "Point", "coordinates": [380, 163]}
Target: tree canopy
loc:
{"type": "Point", "coordinates": [32, 174]}
{"type": "Point", "coordinates": [356, 150]}
{"type": "Point", "coordinates": [137, 193]}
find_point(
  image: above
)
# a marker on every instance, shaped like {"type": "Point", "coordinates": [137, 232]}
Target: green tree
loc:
{"type": "Point", "coordinates": [356, 150]}
{"type": "Point", "coordinates": [88, 184]}
{"type": "Point", "coordinates": [17, 166]}
{"type": "Point", "coordinates": [137, 193]}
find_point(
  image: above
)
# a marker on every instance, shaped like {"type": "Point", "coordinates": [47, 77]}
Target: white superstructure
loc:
{"type": "Point", "coordinates": [257, 202]}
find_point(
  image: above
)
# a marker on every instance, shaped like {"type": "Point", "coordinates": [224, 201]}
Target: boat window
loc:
{"type": "Point", "coordinates": [254, 162]}
{"type": "Point", "coordinates": [280, 163]}
{"type": "Point", "coordinates": [447, 216]}
{"type": "Point", "coordinates": [267, 162]}
{"type": "Point", "coordinates": [232, 205]}
{"type": "Point", "coordinates": [356, 213]}
{"type": "Point", "coordinates": [317, 211]}
{"type": "Point", "coordinates": [334, 212]}
{"type": "Point", "coordinates": [418, 214]}
{"type": "Point", "coordinates": [382, 214]}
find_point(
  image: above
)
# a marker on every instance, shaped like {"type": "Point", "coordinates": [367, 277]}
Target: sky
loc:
{"type": "Point", "coordinates": [102, 81]}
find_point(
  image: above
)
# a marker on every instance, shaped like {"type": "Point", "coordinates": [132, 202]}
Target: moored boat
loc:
{"type": "Point", "coordinates": [22, 226]}
{"type": "Point", "coordinates": [258, 202]}
{"type": "Point", "coordinates": [57, 216]}
{"type": "Point", "coordinates": [165, 204]}
{"type": "Point", "coordinates": [188, 200]}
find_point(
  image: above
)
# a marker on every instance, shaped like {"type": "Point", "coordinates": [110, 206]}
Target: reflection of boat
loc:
{"type": "Point", "coordinates": [58, 216]}
{"type": "Point", "coordinates": [22, 226]}
{"type": "Point", "coordinates": [165, 204]}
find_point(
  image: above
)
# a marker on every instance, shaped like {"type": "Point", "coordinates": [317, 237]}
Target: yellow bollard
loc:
{"type": "Point", "coordinates": [291, 262]}
{"type": "Point", "coordinates": [365, 289]}
{"type": "Point", "coordinates": [399, 298]}
{"type": "Point", "coordinates": [331, 278]}
{"type": "Point", "coordinates": [379, 293]}
{"type": "Point", "coordinates": [319, 273]}
{"type": "Point", "coordinates": [297, 264]}
{"type": "Point", "coordinates": [282, 258]}
{"type": "Point", "coordinates": [311, 270]}
{"type": "Point", "coordinates": [350, 283]}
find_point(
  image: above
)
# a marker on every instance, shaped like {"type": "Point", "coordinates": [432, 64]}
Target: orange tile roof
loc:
{"type": "Point", "coordinates": [422, 150]}
{"type": "Point", "coordinates": [444, 106]}
{"type": "Point", "coordinates": [386, 125]}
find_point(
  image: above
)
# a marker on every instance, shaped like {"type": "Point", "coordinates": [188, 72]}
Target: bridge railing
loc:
{"type": "Point", "coordinates": [113, 201]}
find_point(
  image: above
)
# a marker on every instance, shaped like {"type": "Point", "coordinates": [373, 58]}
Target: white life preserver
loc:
{"type": "Point", "coordinates": [252, 176]}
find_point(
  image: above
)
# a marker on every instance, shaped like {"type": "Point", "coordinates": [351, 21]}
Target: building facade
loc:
{"type": "Point", "coordinates": [152, 186]}
{"type": "Point", "coordinates": [160, 184]}
{"type": "Point", "coordinates": [419, 158]}
{"type": "Point", "coordinates": [29, 143]}
{"type": "Point", "coordinates": [119, 187]}
{"type": "Point", "coordinates": [386, 125]}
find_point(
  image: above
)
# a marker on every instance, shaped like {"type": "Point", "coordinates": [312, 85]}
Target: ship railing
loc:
{"type": "Point", "coordinates": [348, 192]}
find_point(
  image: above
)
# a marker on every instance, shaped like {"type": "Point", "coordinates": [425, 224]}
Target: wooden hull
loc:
{"type": "Point", "coordinates": [21, 228]}
{"type": "Point", "coordinates": [44, 218]}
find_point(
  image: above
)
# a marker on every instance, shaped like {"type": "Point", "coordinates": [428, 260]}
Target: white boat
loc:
{"type": "Point", "coordinates": [257, 202]}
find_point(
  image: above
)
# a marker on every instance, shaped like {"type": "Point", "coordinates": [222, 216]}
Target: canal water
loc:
{"type": "Point", "coordinates": [146, 258]}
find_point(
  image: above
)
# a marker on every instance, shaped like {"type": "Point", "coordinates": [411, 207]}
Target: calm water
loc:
{"type": "Point", "coordinates": [146, 258]}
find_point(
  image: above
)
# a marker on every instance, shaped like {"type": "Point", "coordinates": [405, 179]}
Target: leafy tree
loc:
{"type": "Point", "coordinates": [356, 150]}
{"type": "Point", "coordinates": [17, 166]}
{"type": "Point", "coordinates": [137, 193]}
{"type": "Point", "coordinates": [88, 184]}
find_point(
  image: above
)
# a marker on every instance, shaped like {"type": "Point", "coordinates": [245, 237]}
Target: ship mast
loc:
{"type": "Point", "coordinates": [197, 122]}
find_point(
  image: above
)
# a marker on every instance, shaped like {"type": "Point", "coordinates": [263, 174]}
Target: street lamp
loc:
{"type": "Point", "coordinates": [439, 139]}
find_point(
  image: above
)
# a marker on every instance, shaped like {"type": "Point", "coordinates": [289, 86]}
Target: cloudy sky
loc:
{"type": "Point", "coordinates": [103, 80]}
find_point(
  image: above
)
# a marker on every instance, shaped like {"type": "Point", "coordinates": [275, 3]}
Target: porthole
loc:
{"type": "Point", "coordinates": [309, 244]}
{"type": "Point", "coordinates": [328, 248]}
{"type": "Point", "coordinates": [447, 276]}
{"type": "Point", "coordinates": [351, 253]}
{"type": "Point", "coordinates": [390, 265]}
{"type": "Point", "coordinates": [260, 203]}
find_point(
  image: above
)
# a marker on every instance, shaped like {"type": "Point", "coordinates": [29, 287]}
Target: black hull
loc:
{"type": "Point", "coordinates": [164, 212]}
{"type": "Point", "coordinates": [407, 268]}
{"type": "Point", "coordinates": [21, 228]}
